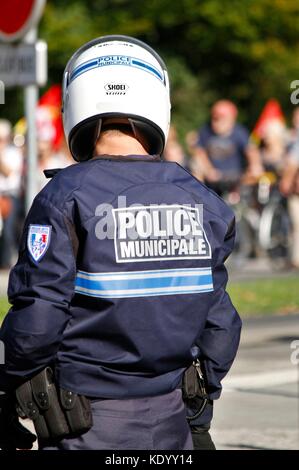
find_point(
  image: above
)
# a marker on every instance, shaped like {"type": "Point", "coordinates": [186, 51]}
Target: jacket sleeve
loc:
{"type": "Point", "coordinates": [40, 293]}
{"type": "Point", "coordinates": [218, 344]}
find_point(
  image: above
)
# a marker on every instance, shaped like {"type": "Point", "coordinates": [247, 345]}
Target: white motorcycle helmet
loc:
{"type": "Point", "coordinates": [115, 79]}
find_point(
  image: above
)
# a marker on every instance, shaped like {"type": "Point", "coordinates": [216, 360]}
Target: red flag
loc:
{"type": "Point", "coordinates": [271, 112]}
{"type": "Point", "coordinates": [52, 101]}
{"type": "Point", "coordinates": [48, 118]}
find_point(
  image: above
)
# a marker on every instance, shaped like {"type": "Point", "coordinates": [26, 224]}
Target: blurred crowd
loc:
{"type": "Point", "coordinates": [228, 157]}
{"type": "Point", "coordinates": [13, 178]}
{"type": "Point", "coordinates": [223, 154]}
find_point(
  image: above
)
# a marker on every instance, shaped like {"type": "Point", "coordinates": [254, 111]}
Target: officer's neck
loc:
{"type": "Point", "coordinates": [118, 143]}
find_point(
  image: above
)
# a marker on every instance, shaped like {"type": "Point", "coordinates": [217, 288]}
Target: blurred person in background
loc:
{"type": "Point", "coordinates": [174, 151]}
{"type": "Point", "coordinates": [191, 139]}
{"type": "Point", "coordinates": [293, 134]}
{"type": "Point", "coordinates": [289, 186]}
{"type": "Point", "coordinates": [48, 158]}
{"type": "Point", "coordinates": [273, 146]}
{"type": "Point", "coordinates": [224, 152]}
{"type": "Point", "coordinates": [11, 165]}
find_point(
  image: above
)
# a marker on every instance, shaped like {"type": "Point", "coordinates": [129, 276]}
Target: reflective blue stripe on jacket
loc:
{"type": "Point", "coordinates": [120, 283]}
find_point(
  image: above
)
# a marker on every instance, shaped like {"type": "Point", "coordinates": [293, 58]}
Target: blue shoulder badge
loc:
{"type": "Point", "coordinates": [38, 240]}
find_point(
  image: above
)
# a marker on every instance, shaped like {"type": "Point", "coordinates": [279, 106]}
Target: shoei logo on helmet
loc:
{"type": "Point", "coordinates": [116, 88]}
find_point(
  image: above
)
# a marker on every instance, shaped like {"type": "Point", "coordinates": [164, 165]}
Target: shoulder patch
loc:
{"type": "Point", "coordinates": [38, 240]}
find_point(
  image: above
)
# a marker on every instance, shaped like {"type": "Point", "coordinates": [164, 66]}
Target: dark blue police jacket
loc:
{"type": "Point", "coordinates": [120, 281]}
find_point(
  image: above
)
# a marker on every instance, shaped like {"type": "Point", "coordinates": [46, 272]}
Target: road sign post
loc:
{"type": "Point", "coordinates": [31, 98]}
{"type": "Point", "coordinates": [24, 65]}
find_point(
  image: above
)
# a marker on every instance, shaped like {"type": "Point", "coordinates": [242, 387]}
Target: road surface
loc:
{"type": "Point", "coordinates": [259, 407]}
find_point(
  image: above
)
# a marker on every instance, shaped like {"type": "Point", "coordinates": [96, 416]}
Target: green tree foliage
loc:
{"type": "Point", "coordinates": [245, 50]}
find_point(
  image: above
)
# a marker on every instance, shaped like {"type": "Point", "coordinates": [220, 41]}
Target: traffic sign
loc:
{"type": "Point", "coordinates": [24, 64]}
{"type": "Point", "coordinates": [17, 17]}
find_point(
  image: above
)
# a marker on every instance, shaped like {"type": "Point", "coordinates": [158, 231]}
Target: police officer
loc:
{"type": "Point", "coordinates": [120, 281]}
